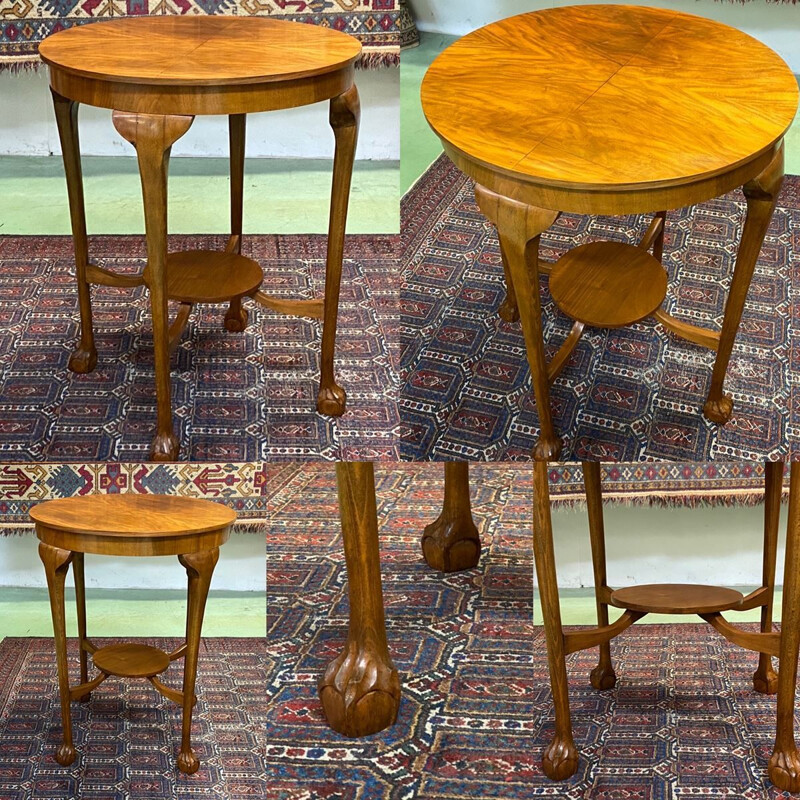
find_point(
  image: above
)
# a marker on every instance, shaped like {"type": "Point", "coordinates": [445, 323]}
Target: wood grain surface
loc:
{"type": "Point", "coordinates": [207, 50]}
{"type": "Point", "coordinates": [599, 96]}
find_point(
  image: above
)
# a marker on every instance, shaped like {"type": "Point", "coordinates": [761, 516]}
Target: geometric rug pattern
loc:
{"type": "Point", "coordinates": [241, 487]}
{"type": "Point", "coordinates": [236, 397]}
{"type": "Point", "coordinates": [627, 394]}
{"type": "Point", "coordinates": [383, 26]}
{"type": "Point", "coordinates": [128, 736]}
{"type": "Point", "coordinates": [476, 711]}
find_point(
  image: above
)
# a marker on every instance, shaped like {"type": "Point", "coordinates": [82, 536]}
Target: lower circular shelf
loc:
{"type": "Point", "coordinates": [676, 598]}
{"type": "Point", "coordinates": [211, 276]}
{"type": "Point", "coordinates": [131, 660]}
{"type": "Point", "coordinates": [608, 284]}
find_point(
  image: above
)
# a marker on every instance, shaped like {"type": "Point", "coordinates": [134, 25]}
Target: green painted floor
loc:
{"type": "Point", "coordinates": [133, 612]}
{"type": "Point", "coordinates": [419, 146]}
{"type": "Point", "coordinates": [281, 196]}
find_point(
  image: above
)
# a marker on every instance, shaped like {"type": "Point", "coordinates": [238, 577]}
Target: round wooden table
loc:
{"type": "Point", "coordinates": [157, 74]}
{"type": "Point", "coordinates": [611, 110]}
{"type": "Point", "coordinates": [129, 525]}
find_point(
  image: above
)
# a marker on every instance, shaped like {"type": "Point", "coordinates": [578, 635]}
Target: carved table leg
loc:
{"type": "Point", "coordinates": [519, 227]}
{"type": "Point", "coordinates": [561, 757]}
{"type": "Point", "coordinates": [765, 679]}
{"type": "Point", "coordinates": [84, 358]}
{"type": "Point", "coordinates": [360, 690]}
{"type": "Point", "coordinates": [80, 602]}
{"type": "Point", "coordinates": [452, 543]}
{"type": "Point", "coordinates": [762, 195]}
{"type": "Point", "coordinates": [784, 765]}
{"type": "Point", "coordinates": [345, 114]}
{"type": "Point", "coordinates": [236, 316]}
{"type": "Point", "coordinates": [153, 136]}
{"type": "Point", "coordinates": [509, 310]}
{"type": "Point", "coordinates": [199, 569]}
{"type": "Point", "coordinates": [56, 565]}
{"type": "Point", "coordinates": [603, 675]}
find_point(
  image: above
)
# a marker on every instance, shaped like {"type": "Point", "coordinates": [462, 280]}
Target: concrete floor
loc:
{"type": "Point", "coordinates": [280, 196]}
{"type": "Point", "coordinates": [420, 146]}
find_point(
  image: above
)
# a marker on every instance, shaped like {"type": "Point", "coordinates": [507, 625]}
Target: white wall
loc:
{"type": "Point", "coordinates": [241, 567]}
{"type": "Point", "coordinates": [777, 25]}
{"type": "Point", "coordinates": [719, 546]}
{"type": "Point", "coordinates": [27, 124]}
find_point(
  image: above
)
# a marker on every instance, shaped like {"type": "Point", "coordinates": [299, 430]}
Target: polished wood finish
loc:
{"type": "Point", "coordinates": [611, 110]}
{"type": "Point", "coordinates": [608, 284]}
{"type": "Point", "coordinates": [560, 759]}
{"type": "Point", "coordinates": [209, 276]}
{"type": "Point", "coordinates": [600, 100]}
{"type": "Point", "coordinates": [129, 525]}
{"type": "Point", "coordinates": [451, 543]}
{"type": "Point", "coordinates": [360, 689]}
{"type": "Point", "coordinates": [158, 73]}
{"type": "Point", "coordinates": [199, 64]}
{"type": "Point", "coordinates": [676, 598]}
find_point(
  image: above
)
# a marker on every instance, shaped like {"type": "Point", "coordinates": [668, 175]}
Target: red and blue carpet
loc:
{"type": "Point", "coordinates": [127, 735]}
{"type": "Point", "coordinates": [236, 397]}
{"type": "Point", "coordinates": [626, 394]}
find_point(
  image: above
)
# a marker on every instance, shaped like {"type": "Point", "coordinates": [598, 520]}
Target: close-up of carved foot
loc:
{"type": "Point", "coordinates": [83, 361]}
{"type": "Point", "coordinates": [560, 759]}
{"type": "Point", "coordinates": [331, 400]}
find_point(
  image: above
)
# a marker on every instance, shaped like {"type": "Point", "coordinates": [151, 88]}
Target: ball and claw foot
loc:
{"type": "Point", "coordinates": [331, 400]}
{"type": "Point", "coordinates": [720, 410]}
{"type": "Point", "coordinates": [603, 677]}
{"type": "Point", "coordinates": [236, 319]}
{"type": "Point", "coordinates": [765, 681]}
{"type": "Point", "coordinates": [65, 755]}
{"type": "Point", "coordinates": [360, 693]}
{"type": "Point", "coordinates": [560, 760]}
{"type": "Point", "coordinates": [784, 770]}
{"type": "Point", "coordinates": [83, 360]}
{"type": "Point", "coordinates": [451, 545]}
{"type": "Point", "coordinates": [547, 449]}
{"type": "Point", "coordinates": [508, 311]}
{"type": "Point", "coordinates": [188, 762]}
{"type": "Point", "coordinates": [164, 447]}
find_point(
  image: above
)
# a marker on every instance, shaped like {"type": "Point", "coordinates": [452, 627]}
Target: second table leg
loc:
{"type": "Point", "coordinates": [153, 136]}
{"type": "Point", "coordinates": [236, 316]}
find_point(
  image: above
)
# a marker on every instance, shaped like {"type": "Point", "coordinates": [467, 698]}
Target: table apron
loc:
{"type": "Point", "coordinates": [98, 544]}
{"type": "Point", "coordinates": [244, 98]}
{"type": "Point", "coordinates": [625, 201]}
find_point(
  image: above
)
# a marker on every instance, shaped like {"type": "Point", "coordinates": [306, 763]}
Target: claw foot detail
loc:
{"type": "Point", "coordinates": [360, 693]}
{"type": "Point", "coordinates": [65, 755]}
{"type": "Point", "coordinates": [188, 762]}
{"type": "Point", "coordinates": [164, 447]}
{"type": "Point", "coordinates": [547, 449]}
{"type": "Point", "coordinates": [560, 760]}
{"type": "Point", "coordinates": [784, 770]}
{"type": "Point", "coordinates": [83, 360]}
{"type": "Point", "coordinates": [508, 311]}
{"type": "Point", "coordinates": [603, 677]}
{"type": "Point", "coordinates": [331, 400]}
{"type": "Point", "coordinates": [765, 681]}
{"type": "Point", "coordinates": [720, 410]}
{"type": "Point", "coordinates": [236, 320]}
{"type": "Point", "coordinates": [451, 545]}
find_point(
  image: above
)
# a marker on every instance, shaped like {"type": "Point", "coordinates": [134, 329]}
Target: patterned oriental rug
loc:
{"type": "Point", "coordinates": [383, 26]}
{"type": "Point", "coordinates": [476, 710]}
{"type": "Point", "coordinates": [627, 394]}
{"type": "Point", "coordinates": [236, 397]}
{"type": "Point", "coordinates": [127, 736]}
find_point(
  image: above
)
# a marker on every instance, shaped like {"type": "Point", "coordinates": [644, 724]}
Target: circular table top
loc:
{"type": "Point", "coordinates": [608, 96]}
{"type": "Point", "coordinates": [207, 50]}
{"type": "Point", "coordinates": [132, 515]}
